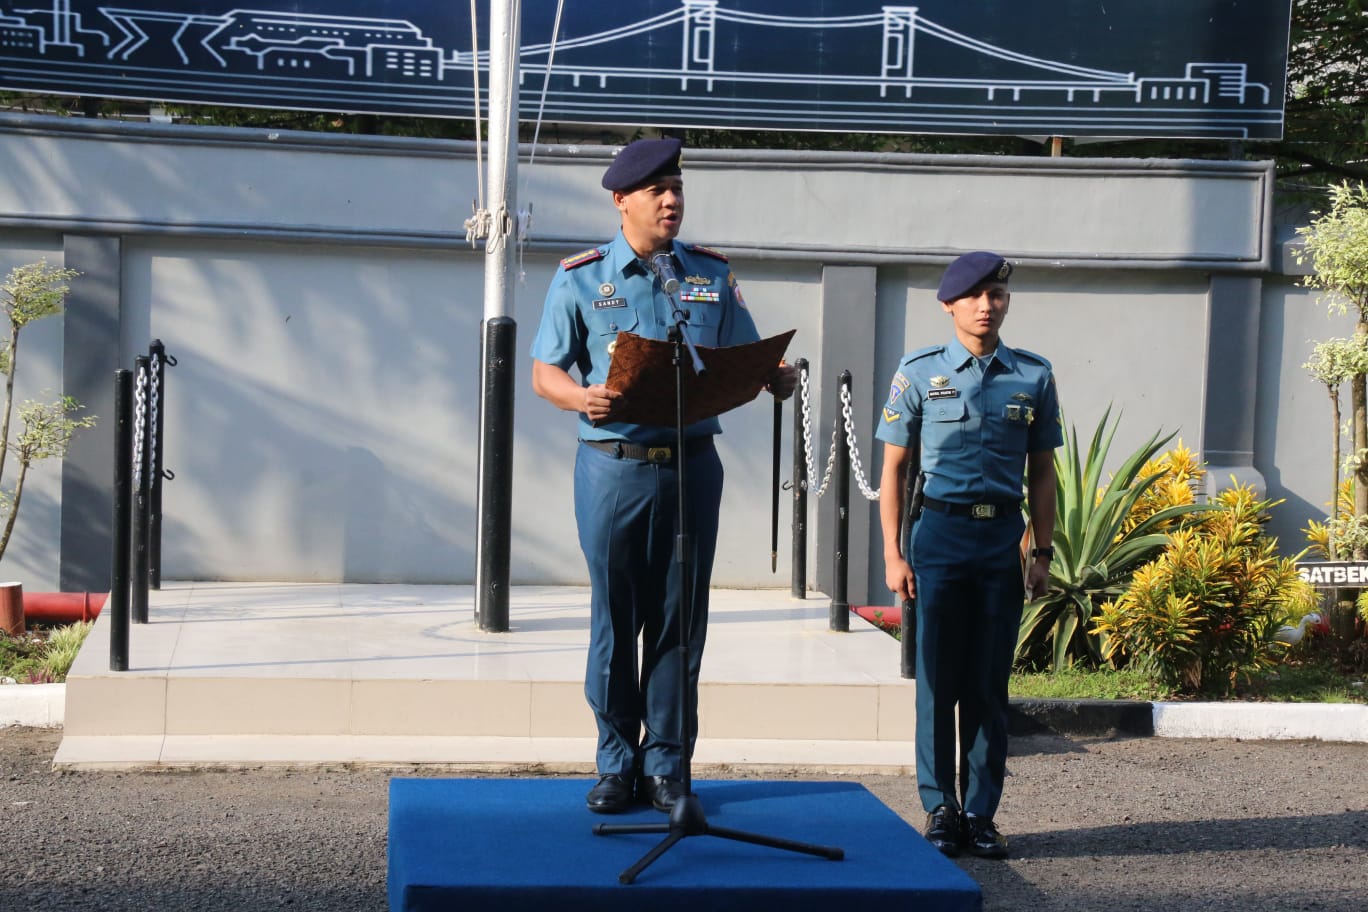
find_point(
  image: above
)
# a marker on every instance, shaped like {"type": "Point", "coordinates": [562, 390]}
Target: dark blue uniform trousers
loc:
{"type": "Point", "coordinates": [969, 601]}
{"type": "Point", "coordinates": [627, 513]}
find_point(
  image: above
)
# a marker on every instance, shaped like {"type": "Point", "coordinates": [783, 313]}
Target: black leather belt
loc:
{"type": "Point", "coordinates": [656, 454]}
{"type": "Point", "coordinates": [991, 510]}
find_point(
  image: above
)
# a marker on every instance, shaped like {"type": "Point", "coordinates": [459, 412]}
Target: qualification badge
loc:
{"type": "Point", "coordinates": [606, 290]}
{"type": "Point", "coordinates": [938, 382]}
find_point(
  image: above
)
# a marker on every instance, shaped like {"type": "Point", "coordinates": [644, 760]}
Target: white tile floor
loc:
{"type": "Point", "coordinates": [250, 673]}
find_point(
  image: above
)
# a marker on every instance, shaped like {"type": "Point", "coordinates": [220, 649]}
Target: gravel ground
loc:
{"type": "Point", "coordinates": [1096, 824]}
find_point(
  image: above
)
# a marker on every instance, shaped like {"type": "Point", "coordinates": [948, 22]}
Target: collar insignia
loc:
{"type": "Point", "coordinates": [938, 382]}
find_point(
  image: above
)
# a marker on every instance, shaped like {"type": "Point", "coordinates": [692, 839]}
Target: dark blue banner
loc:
{"type": "Point", "coordinates": [1191, 68]}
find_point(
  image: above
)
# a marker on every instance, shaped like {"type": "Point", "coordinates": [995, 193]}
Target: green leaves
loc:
{"type": "Point", "coordinates": [1096, 547]}
{"type": "Point", "coordinates": [34, 291]}
{"type": "Point", "coordinates": [1336, 244]}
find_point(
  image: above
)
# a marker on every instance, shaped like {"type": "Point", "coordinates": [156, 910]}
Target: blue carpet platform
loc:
{"type": "Point", "coordinates": [528, 844]}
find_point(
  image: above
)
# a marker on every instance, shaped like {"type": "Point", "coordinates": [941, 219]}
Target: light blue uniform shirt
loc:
{"type": "Point", "coordinates": [606, 290]}
{"type": "Point", "coordinates": [975, 425]}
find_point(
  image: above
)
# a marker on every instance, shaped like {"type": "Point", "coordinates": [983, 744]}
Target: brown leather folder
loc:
{"type": "Point", "coordinates": [643, 371]}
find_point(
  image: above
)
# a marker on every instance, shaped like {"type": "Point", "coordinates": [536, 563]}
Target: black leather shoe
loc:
{"type": "Point", "coordinates": [612, 795]}
{"type": "Point", "coordinates": [981, 838]}
{"type": "Point", "coordinates": [943, 830]}
{"type": "Point", "coordinates": [661, 791]}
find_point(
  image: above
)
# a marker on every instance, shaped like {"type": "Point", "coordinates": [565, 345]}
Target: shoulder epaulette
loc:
{"type": "Point", "coordinates": [922, 353]}
{"type": "Point", "coordinates": [1032, 356]}
{"type": "Point", "coordinates": [584, 256]}
{"type": "Point", "coordinates": [707, 251]}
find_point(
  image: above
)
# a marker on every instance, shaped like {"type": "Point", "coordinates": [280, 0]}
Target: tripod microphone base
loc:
{"type": "Point", "coordinates": [688, 819]}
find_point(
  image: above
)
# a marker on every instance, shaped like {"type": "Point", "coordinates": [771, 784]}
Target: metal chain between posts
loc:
{"type": "Point", "coordinates": [153, 372]}
{"type": "Point", "coordinates": [807, 443]}
{"type": "Point", "coordinates": [849, 421]}
{"type": "Point", "coordinates": [139, 424]}
{"type": "Point", "coordinates": [868, 492]}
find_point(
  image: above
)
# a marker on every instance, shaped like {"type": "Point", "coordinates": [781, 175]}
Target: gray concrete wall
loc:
{"type": "Point", "coordinates": [324, 306]}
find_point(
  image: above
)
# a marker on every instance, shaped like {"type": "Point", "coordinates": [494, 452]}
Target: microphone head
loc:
{"type": "Point", "coordinates": [664, 267]}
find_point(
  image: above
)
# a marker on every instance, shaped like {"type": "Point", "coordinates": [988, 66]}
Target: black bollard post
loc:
{"type": "Point", "coordinates": [496, 475]}
{"type": "Point", "coordinates": [798, 584]}
{"type": "Point", "coordinates": [138, 572]}
{"type": "Point", "coordinates": [123, 507]}
{"type": "Point", "coordinates": [840, 607]}
{"type": "Point", "coordinates": [157, 425]}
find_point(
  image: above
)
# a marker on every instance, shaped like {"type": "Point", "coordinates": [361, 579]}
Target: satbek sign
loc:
{"type": "Point", "coordinates": [1330, 574]}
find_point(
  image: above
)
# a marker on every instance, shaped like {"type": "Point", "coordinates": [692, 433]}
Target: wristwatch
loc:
{"type": "Point", "coordinates": [1047, 553]}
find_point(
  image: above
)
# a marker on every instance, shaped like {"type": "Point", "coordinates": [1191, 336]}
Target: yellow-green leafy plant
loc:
{"type": "Point", "coordinates": [31, 293]}
{"type": "Point", "coordinates": [1098, 541]}
{"type": "Point", "coordinates": [1206, 611]}
{"type": "Point", "coordinates": [1333, 539]}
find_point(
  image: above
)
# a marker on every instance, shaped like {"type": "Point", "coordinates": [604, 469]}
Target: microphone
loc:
{"type": "Point", "coordinates": [663, 263]}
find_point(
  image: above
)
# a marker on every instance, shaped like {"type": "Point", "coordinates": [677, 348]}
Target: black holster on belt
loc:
{"type": "Point", "coordinates": [913, 497]}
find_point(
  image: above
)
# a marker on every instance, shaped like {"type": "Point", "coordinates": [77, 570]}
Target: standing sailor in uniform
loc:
{"type": "Point", "coordinates": [626, 474]}
{"type": "Point", "coordinates": [982, 413]}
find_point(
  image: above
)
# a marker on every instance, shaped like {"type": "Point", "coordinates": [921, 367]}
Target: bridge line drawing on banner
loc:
{"type": "Point", "coordinates": [875, 77]}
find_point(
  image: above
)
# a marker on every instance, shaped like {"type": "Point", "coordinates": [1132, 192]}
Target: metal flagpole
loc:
{"type": "Point", "coordinates": [499, 332]}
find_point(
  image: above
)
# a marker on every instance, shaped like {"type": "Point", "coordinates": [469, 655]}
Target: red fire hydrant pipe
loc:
{"type": "Point", "coordinates": [63, 607]}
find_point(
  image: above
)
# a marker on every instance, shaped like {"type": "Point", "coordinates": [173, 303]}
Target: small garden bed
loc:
{"type": "Point", "coordinates": [43, 655]}
{"type": "Point", "coordinates": [1305, 679]}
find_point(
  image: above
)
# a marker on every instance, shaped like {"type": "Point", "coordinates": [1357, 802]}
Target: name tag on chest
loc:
{"type": "Point", "coordinates": [949, 393]}
{"type": "Point", "coordinates": [609, 303]}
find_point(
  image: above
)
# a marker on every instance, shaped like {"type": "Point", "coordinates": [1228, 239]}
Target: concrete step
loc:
{"type": "Point", "coordinates": [229, 673]}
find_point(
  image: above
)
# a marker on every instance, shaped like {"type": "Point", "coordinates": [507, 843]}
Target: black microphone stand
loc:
{"type": "Point", "coordinates": [687, 817]}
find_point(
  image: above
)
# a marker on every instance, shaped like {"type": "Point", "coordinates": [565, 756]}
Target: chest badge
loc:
{"type": "Point", "coordinates": [606, 290]}
{"type": "Point", "coordinates": [612, 346]}
{"type": "Point", "coordinates": [938, 382]}
{"type": "Point", "coordinates": [698, 280]}
{"type": "Point", "coordinates": [1022, 397]}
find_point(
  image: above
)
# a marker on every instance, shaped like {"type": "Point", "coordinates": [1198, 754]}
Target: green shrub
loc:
{"type": "Point", "coordinates": [1101, 535]}
{"type": "Point", "coordinates": [1204, 613]}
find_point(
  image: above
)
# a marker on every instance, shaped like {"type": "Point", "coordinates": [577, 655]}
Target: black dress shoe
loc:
{"type": "Point", "coordinates": [661, 791]}
{"type": "Point", "coordinates": [943, 830]}
{"type": "Point", "coordinates": [981, 838]}
{"type": "Point", "coordinates": [612, 795]}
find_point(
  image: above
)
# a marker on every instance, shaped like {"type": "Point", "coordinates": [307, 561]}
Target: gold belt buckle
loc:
{"type": "Point", "coordinates": [983, 511]}
{"type": "Point", "coordinates": [658, 454]}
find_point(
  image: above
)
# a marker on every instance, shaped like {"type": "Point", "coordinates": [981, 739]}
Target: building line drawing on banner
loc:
{"type": "Point", "coordinates": [336, 59]}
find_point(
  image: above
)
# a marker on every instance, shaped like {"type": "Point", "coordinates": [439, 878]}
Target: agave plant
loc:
{"type": "Point", "coordinates": [1098, 542]}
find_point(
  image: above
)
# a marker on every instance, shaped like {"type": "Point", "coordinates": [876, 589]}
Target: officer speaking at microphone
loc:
{"type": "Point", "coordinates": [626, 474]}
{"type": "Point", "coordinates": [981, 414]}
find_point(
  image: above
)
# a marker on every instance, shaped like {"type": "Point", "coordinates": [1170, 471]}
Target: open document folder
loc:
{"type": "Point", "coordinates": [643, 371]}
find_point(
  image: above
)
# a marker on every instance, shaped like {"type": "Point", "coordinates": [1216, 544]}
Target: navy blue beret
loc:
{"type": "Point", "coordinates": [971, 270]}
{"type": "Point", "coordinates": [641, 161]}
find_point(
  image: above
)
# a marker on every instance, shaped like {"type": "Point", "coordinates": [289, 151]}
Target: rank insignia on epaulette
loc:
{"type": "Point", "coordinates": [584, 256]}
{"type": "Point", "coordinates": [890, 415]}
{"type": "Point", "coordinates": [709, 252]}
